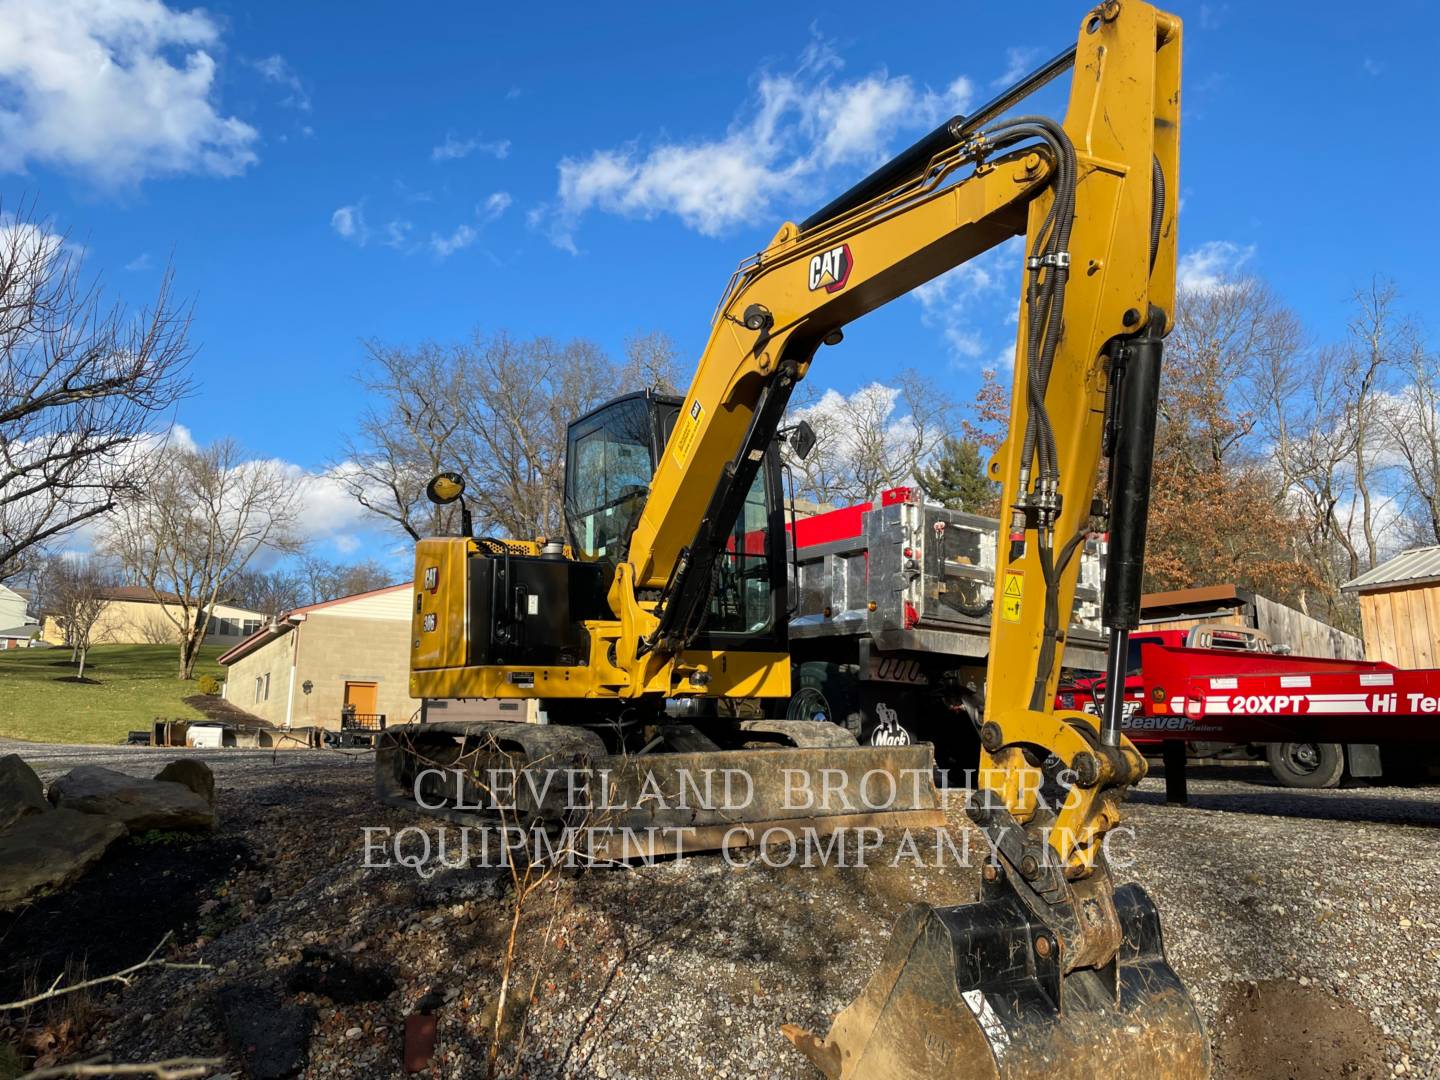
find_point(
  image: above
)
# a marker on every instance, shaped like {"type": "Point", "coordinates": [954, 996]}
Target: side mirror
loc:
{"type": "Point", "coordinates": [802, 439]}
{"type": "Point", "coordinates": [445, 488]}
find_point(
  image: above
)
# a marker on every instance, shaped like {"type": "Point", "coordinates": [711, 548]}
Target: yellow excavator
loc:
{"type": "Point", "coordinates": [644, 634]}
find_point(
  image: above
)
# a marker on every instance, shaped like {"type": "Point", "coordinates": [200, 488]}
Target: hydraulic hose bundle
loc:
{"type": "Point", "coordinates": [1048, 267]}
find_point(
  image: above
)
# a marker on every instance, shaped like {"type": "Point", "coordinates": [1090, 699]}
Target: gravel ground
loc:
{"type": "Point", "coordinates": [1305, 915]}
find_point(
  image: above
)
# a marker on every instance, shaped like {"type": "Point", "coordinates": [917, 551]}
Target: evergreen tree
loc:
{"type": "Point", "coordinates": [956, 478]}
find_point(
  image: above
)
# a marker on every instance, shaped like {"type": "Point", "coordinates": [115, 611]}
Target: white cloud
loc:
{"type": "Point", "coordinates": [445, 246]}
{"type": "Point", "coordinates": [857, 432]}
{"type": "Point", "coordinates": [453, 149]}
{"type": "Point", "coordinates": [33, 244]}
{"type": "Point", "coordinates": [951, 303]}
{"type": "Point", "coordinates": [276, 70]}
{"type": "Point", "coordinates": [396, 233]}
{"type": "Point", "coordinates": [328, 512]}
{"type": "Point", "coordinates": [329, 516]}
{"type": "Point", "coordinates": [349, 222]}
{"type": "Point", "coordinates": [120, 92]}
{"type": "Point", "coordinates": [494, 205]}
{"type": "Point", "coordinates": [1212, 265]}
{"type": "Point", "coordinates": [1018, 62]}
{"type": "Point", "coordinates": [797, 127]}
{"type": "Point", "coordinates": [140, 262]}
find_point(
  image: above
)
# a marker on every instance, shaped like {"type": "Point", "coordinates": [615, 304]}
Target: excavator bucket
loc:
{"type": "Point", "coordinates": [965, 992]}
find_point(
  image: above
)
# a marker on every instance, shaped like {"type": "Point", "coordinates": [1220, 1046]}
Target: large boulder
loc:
{"type": "Point", "coordinates": [21, 791]}
{"type": "Point", "coordinates": [141, 804]}
{"type": "Point", "coordinates": [50, 850]}
{"type": "Point", "coordinates": [194, 774]}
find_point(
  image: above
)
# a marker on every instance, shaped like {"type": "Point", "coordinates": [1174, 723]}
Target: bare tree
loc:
{"type": "Point", "coordinates": [75, 590]}
{"type": "Point", "coordinates": [83, 384]}
{"type": "Point", "coordinates": [1377, 342]}
{"type": "Point", "coordinates": [1220, 510]}
{"type": "Point", "coordinates": [271, 592]}
{"type": "Point", "coordinates": [651, 363]}
{"type": "Point", "coordinates": [322, 581]}
{"type": "Point", "coordinates": [312, 580]}
{"type": "Point", "coordinates": [494, 409]}
{"type": "Point", "coordinates": [414, 431]}
{"type": "Point", "coordinates": [1227, 340]}
{"type": "Point", "coordinates": [1314, 443]}
{"type": "Point", "coordinates": [523, 396]}
{"type": "Point", "coordinates": [1412, 419]}
{"type": "Point", "coordinates": [876, 438]}
{"type": "Point", "coordinates": [1329, 417]}
{"type": "Point", "coordinates": [204, 515]}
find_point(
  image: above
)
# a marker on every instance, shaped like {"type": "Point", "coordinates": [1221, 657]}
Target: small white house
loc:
{"type": "Point", "coordinates": [12, 608]}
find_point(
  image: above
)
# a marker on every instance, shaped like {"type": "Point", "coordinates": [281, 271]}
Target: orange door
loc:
{"type": "Point", "coordinates": [364, 697]}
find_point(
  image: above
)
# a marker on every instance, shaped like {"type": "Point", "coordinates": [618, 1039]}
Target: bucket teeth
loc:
{"type": "Point", "coordinates": [957, 994]}
{"type": "Point", "coordinates": [822, 1055]}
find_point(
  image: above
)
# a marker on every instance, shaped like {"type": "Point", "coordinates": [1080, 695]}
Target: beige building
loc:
{"type": "Point", "coordinates": [305, 668]}
{"type": "Point", "coordinates": [133, 616]}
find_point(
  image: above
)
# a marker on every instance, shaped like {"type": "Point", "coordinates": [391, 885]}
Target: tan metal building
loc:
{"type": "Point", "coordinates": [1400, 609]}
{"type": "Point", "coordinates": [134, 616]}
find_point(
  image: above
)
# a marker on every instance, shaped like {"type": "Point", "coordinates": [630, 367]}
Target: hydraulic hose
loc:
{"type": "Point", "coordinates": [1157, 207]}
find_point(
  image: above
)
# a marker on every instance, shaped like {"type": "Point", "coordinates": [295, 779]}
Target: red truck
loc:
{"type": "Point", "coordinates": [889, 632]}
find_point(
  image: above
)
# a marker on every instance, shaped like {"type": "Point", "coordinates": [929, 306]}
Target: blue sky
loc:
{"type": "Point", "coordinates": [321, 173]}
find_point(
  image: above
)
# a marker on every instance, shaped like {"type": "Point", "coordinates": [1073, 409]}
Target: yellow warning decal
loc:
{"type": "Point", "coordinates": [685, 431]}
{"type": "Point", "coordinates": [1012, 595]}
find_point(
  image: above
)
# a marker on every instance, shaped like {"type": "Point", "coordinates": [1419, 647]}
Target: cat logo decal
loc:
{"type": "Point", "coordinates": [830, 270]}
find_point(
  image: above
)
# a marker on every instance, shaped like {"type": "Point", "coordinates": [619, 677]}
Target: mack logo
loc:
{"type": "Point", "coordinates": [432, 578]}
{"type": "Point", "coordinates": [830, 270]}
{"type": "Point", "coordinates": [888, 732]}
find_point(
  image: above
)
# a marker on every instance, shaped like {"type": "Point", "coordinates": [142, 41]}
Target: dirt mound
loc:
{"type": "Point", "coordinates": [1280, 1030]}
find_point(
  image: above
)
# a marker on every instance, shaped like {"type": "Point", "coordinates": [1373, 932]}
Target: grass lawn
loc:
{"type": "Point", "coordinates": [133, 684]}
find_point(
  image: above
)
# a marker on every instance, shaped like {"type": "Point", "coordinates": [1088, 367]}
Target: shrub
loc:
{"type": "Point", "coordinates": [209, 685]}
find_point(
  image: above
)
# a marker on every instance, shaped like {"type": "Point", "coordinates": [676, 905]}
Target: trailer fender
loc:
{"type": "Point", "coordinates": [1363, 759]}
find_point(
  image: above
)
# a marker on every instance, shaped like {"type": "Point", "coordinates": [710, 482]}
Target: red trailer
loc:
{"type": "Point", "coordinates": [1318, 719]}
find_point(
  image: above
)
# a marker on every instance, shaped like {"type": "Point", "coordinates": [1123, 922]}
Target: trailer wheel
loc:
{"type": "Point", "coordinates": [1306, 764]}
{"type": "Point", "coordinates": [824, 693]}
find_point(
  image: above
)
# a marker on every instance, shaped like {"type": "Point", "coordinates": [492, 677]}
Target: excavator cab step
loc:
{"type": "Point", "coordinates": [978, 991]}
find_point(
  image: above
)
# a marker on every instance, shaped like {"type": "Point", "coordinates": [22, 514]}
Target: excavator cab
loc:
{"type": "Point", "coordinates": [611, 455]}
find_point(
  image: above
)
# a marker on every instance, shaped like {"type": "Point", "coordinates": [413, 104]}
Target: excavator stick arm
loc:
{"type": "Point", "coordinates": [1056, 972]}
